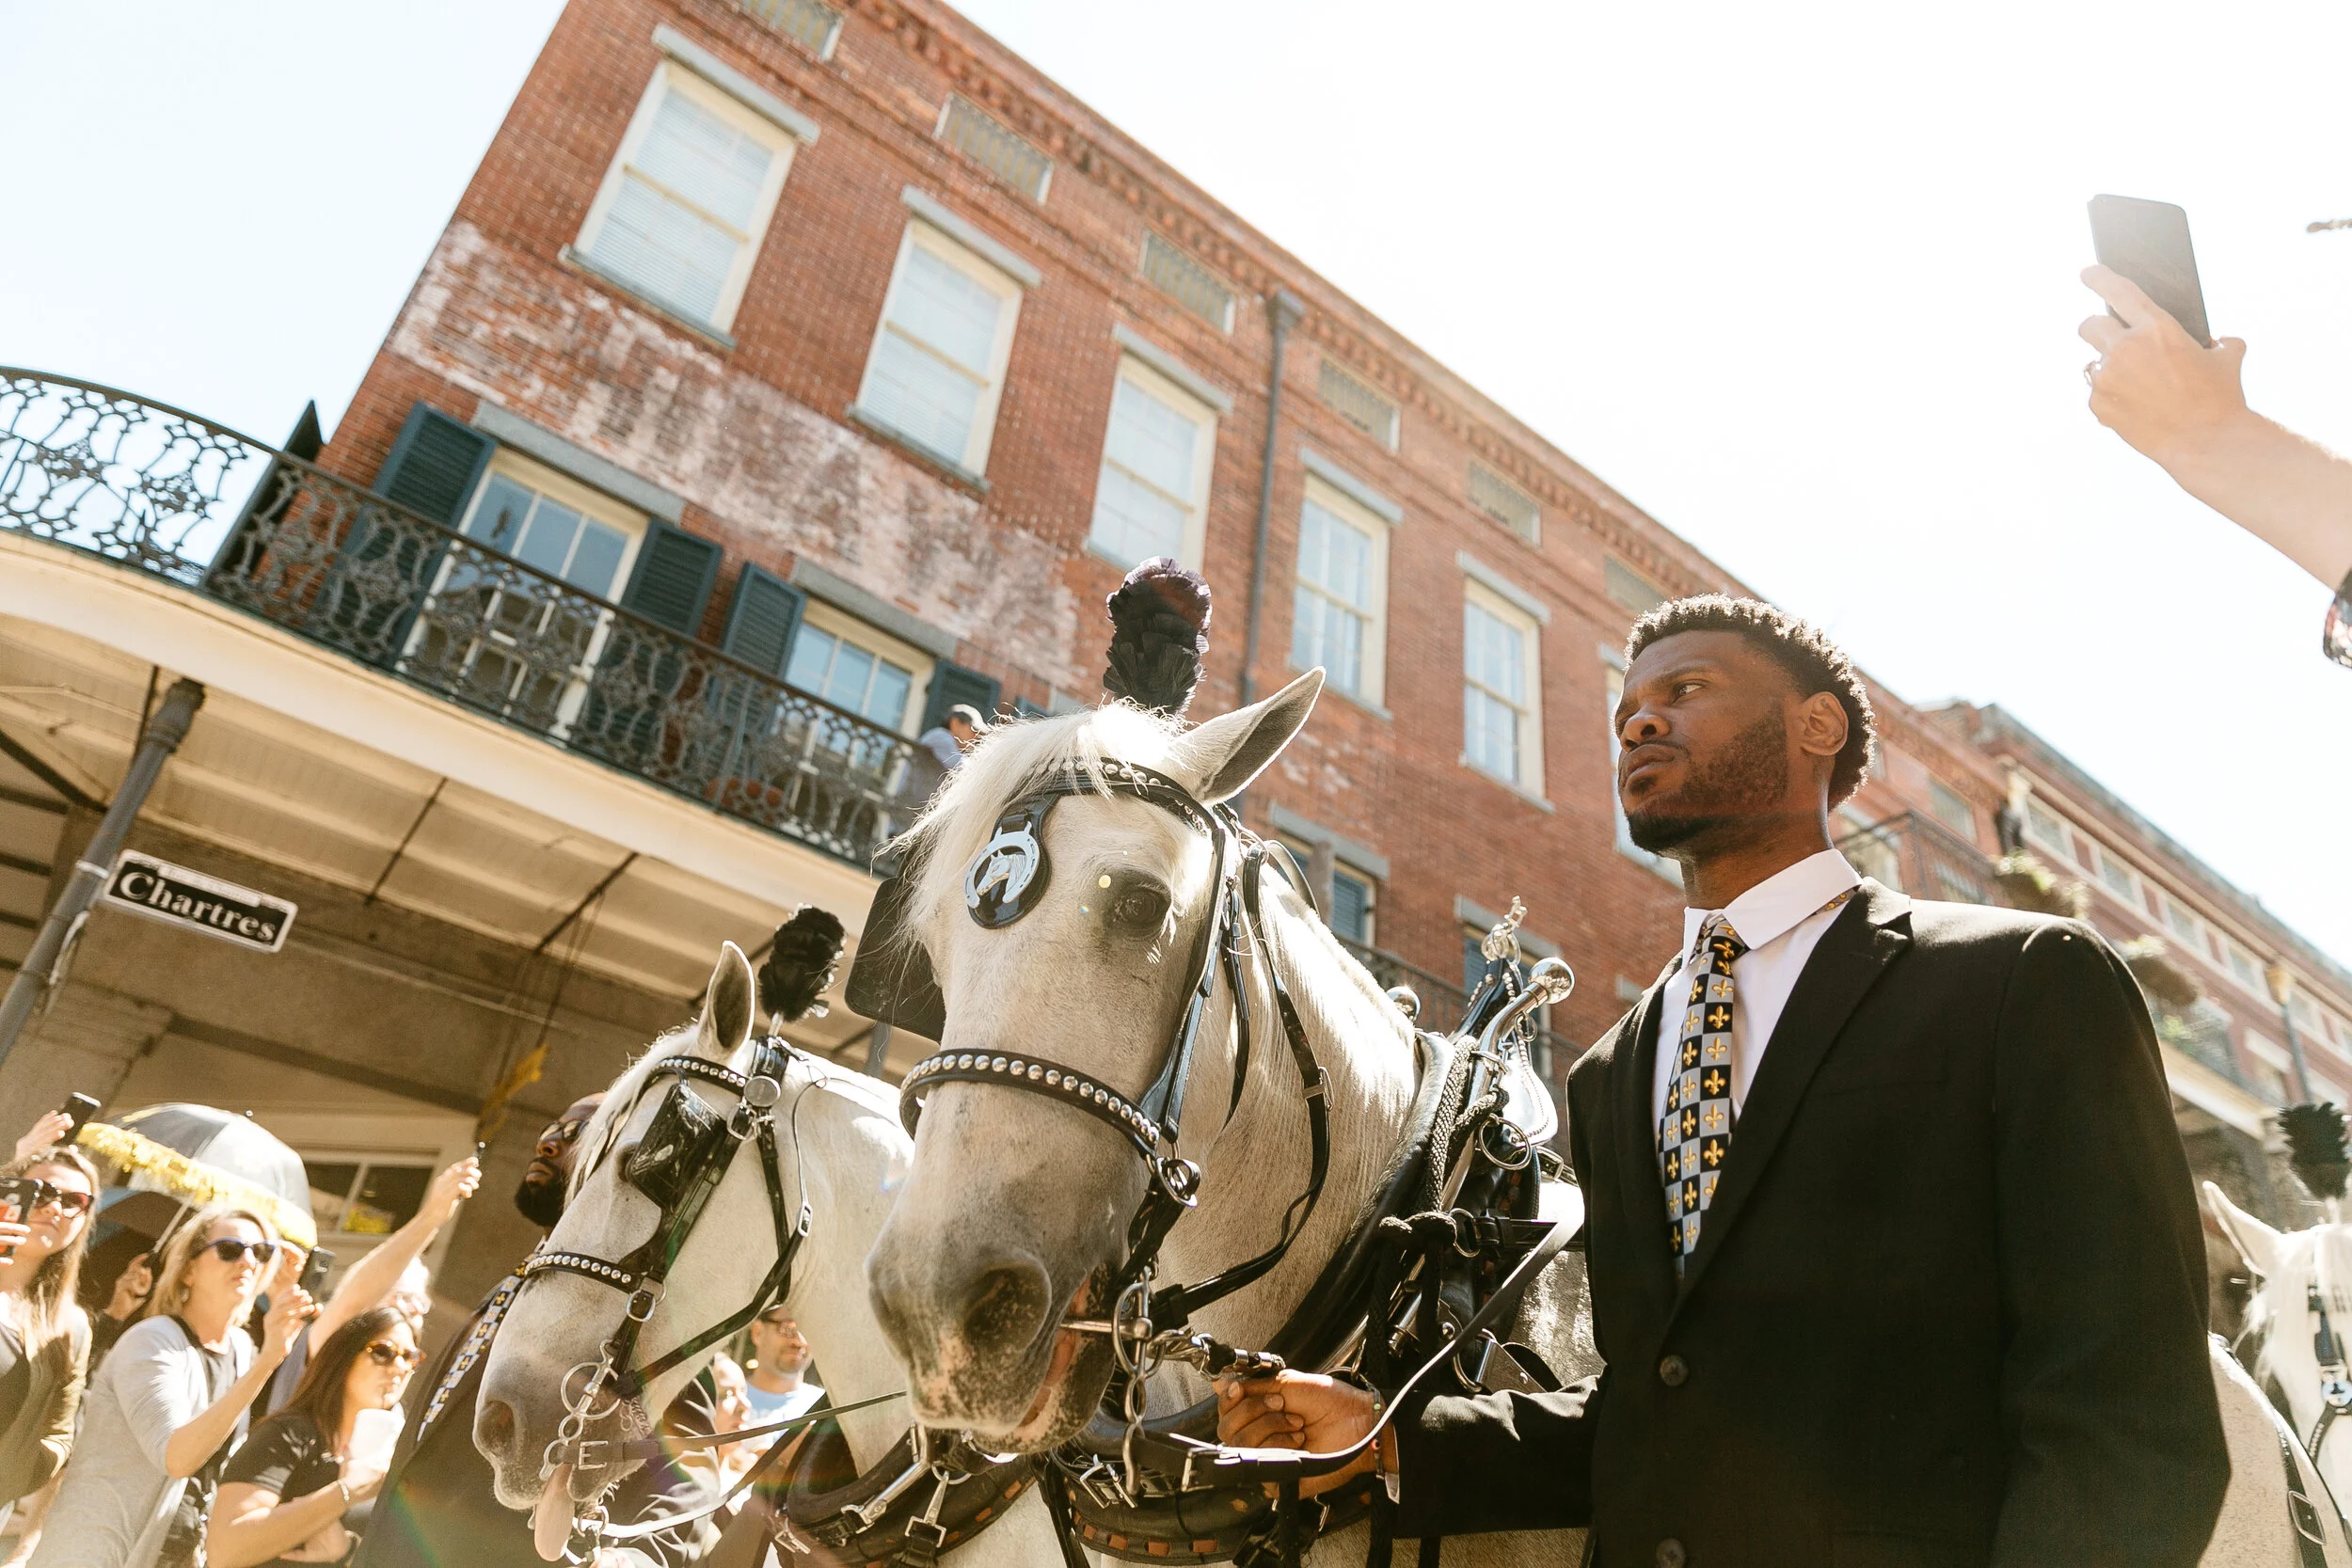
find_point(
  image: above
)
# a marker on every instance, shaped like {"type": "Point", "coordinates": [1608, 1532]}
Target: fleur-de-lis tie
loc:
{"type": "Point", "coordinates": [1694, 1134]}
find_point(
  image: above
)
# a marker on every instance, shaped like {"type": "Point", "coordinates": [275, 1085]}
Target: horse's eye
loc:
{"type": "Point", "coordinates": [1142, 908]}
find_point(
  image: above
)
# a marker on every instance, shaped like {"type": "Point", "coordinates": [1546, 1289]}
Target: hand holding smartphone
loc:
{"type": "Point", "coordinates": [77, 1110]}
{"type": "Point", "coordinates": [2148, 243]}
{"type": "Point", "coordinates": [19, 1197]}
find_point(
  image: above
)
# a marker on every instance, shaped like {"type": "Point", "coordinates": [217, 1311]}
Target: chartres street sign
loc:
{"type": "Point", "coordinates": [178, 896]}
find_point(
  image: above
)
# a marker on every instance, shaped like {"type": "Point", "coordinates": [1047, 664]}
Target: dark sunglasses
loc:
{"type": "Point", "coordinates": [64, 1199]}
{"type": "Point", "coordinates": [563, 1131]}
{"type": "Point", "coordinates": [230, 1251]}
{"type": "Point", "coordinates": [385, 1354]}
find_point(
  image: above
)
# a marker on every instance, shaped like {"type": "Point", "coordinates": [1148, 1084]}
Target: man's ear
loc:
{"type": "Point", "coordinates": [1221, 757]}
{"type": "Point", "coordinates": [1822, 725]}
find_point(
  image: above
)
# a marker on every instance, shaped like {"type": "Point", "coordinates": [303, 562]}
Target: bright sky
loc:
{"type": "Point", "coordinates": [1799, 280]}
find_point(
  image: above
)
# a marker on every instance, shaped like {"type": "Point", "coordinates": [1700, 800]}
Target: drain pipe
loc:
{"type": "Point", "coordinates": [45, 963]}
{"type": "Point", "coordinates": [1283, 309]}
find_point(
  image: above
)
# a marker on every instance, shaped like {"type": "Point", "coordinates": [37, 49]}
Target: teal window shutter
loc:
{"type": "Point", "coordinates": [434, 466]}
{"type": "Point", "coordinates": [952, 683]}
{"type": "Point", "coordinates": [1351, 900]}
{"type": "Point", "coordinates": [762, 620]}
{"type": "Point", "coordinates": [675, 571]}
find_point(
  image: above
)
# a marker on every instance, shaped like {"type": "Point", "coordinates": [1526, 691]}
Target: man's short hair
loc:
{"type": "Point", "coordinates": [1810, 659]}
{"type": "Point", "coordinates": [969, 714]}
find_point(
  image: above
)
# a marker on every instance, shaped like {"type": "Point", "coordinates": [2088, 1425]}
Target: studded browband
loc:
{"type": "Point", "coordinates": [1105, 1105]}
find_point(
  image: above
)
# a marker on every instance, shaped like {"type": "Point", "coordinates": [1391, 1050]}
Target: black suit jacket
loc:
{"type": "Point", "coordinates": [1948, 1307]}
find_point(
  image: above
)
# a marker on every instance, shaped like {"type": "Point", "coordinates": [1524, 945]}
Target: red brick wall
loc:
{"type": "Point", "coordinates": [755, 436]}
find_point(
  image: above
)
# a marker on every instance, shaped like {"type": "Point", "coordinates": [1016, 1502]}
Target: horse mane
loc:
{"type": "Point", "coordinates": [1014, 756]}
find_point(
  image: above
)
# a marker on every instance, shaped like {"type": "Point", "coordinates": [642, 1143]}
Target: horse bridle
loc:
{"type": "Point", "coordinates": [686, 1153]}
{"type": "Point", "coordinates": [1005, 881]}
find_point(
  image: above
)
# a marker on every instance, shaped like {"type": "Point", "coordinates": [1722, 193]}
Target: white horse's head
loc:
{"type": "Point", "coordinates": [2290, 1269]}
{"type": "Point", "coordinates": [1018, 1207]}
{"type": "Point", "coordinates": [841, 1151]}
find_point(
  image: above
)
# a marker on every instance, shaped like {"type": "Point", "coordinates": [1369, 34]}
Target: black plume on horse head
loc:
{"type": "Point", "coordinates": [1159, 636]}
{"type": "Point", "coordinates": [2315, 1151]}
{"type": "Point", "coordinates": [801, 963]}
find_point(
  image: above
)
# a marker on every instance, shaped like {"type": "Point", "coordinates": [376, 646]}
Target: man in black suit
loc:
{"type": "Point", "coordinates": [1891, 1244]}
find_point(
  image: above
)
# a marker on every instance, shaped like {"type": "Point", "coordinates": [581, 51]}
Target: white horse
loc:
{"type": "Point", "coordinates": [840, 1151]}
{"type": "Point", "coordinates": [2291, 1270]}
{"type": "Point", "coordinates": [1017, 1207]}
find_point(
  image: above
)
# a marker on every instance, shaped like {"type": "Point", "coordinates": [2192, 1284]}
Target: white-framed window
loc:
{"type": "Point", "coordinates": [517, 644]}
{"type": "Point", "coordinates": [2047, 829]}
{"type": "Point", "coordinates": [1502, 689]}
{"type": "Point", "coordinates": [368, 1174]}
{"type": "Point", "coordinates": [1613, 689]}
{"type": "Point", "coordinates": [2182, 922]}
{"type": "Point", "coordinates": [2119, 878]}
{"type": "Point", "coordinates": [2273, 1068]}
{"type": "Point", "coordinates": [1152, 497]}
{"type": "Point", "coordinates": [1340, 606]}
{"type": "Point", "coordinates": [852, 665]}
{"type": "Point", "coordinates": [684, 207]}
{"type": "Point", "coordinates": [937, 369]}
{"type": "Point", "coordinates": [2247, 970]}
{"type": "Point", "coordinates": [1951, 808]}
{"type": "Point", "coordinates": [1352, 911]}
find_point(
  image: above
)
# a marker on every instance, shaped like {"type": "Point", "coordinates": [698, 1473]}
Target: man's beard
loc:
{"type": "Point", "coordinates": [540, 1202]}
{"type": "Point", "coordinates": [1749, 775]}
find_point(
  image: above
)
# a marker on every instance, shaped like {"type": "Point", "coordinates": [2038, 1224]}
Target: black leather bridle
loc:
{"type": "Point", "coordinates": [1003, 883]}
{"type": "Point", "coordinates": [686, 1153]}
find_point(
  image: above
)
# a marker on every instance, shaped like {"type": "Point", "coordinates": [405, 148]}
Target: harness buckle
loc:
{"type": "Point", "coordinates": [1103, 1483]}
{"type": "Point", "coordinates": [644, 1299]}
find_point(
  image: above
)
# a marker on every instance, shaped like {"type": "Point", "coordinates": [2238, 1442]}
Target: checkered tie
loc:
{"type": "Point", "coordinates": [1694, 1134]}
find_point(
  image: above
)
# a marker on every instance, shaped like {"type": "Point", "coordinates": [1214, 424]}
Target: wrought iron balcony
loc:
{"type": "Point", "coordinates": [165, 492]}
{"type": "Point", "coordinates": [1914, 854]}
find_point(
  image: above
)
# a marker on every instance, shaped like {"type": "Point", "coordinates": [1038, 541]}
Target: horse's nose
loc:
{"type": "Point", "coordinates": [1004, 1309]}
{"type": "Point", "coordinates": [494, 1426]}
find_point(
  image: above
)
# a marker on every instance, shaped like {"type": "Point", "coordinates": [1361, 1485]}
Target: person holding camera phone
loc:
{"type": "Point", "coordinates": [2183, 404]}
{"type": "Point", "coordinates": [162, 1414]}
{"type": "Point", "coordinates": [44, 1334]}
{"type": "Point", "coordinates": [301, 1487]}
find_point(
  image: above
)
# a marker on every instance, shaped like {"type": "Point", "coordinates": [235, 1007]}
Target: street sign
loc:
{"type": "Point", "coordinates": [177, 896]}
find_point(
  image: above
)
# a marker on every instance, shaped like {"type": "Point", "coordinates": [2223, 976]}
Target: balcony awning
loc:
{"type": "Point", "coordinates": [308, 760]}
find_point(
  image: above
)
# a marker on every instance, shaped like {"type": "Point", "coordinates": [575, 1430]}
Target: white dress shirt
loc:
{"type": "Point", "coordinates": [1781, 919]}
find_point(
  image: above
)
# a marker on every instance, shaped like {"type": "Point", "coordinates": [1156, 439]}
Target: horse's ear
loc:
{"type": "Point", "coordinates": [2255, 1241]}
{"type": "Point", "coordinates": [1225, 753]}
{"type": "Point", "coordinates": [726, 1020]}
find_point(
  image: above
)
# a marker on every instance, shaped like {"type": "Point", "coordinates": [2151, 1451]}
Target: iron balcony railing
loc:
{"type": "Point", "coordinates": [174, 495]}
{"type": "Point", "coordinates": [1914, 854]}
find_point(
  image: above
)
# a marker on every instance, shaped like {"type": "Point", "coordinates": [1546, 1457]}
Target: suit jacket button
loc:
{"type": "Point", "coordinates": [1671, 1555]}
{"type": "Point", "coordinates": [1671, 1373]}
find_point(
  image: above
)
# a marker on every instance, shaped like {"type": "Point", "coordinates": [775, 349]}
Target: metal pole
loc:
{"type": "Point", "coordinates": [2283, 991]}
{"type": "Point", "coordinates": [1283, 309]}
{"type": "Point", "coordinates": [878, 1051]}
{"type": "Point", "coordinates": [164, 731]}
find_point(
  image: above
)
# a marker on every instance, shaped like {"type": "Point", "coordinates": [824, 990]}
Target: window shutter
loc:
{"type": "Point", "coordinates": [762, 620]}
{"type": "Point", "coordinates": [952, 683]}
{"type": "Point", "coordinates": [434, 466]}
{"type": "Point", "coordinates": [671, 586]}
{"type": "Point", "coordinates": [1350, 900]}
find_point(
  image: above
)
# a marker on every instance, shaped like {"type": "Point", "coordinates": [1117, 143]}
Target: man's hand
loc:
{"type": "Point", "coordinates": [450, 1189]}
{"type": "Point", "coordinates": [1300, 1410]}
{"type": "Point", "coordinates": [46, 1131]}
{"type": "Point", "coordinates": [2153, 384]}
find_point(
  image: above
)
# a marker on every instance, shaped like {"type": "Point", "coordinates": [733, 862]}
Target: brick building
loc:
{"type": "Point", "coordinates": [786, 374]}
{"type": "Point", "coordinates": [929, 354]}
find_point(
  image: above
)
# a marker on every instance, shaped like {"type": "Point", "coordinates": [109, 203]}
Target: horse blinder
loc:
{"type": "Point", "coordinates": [680, 1140]}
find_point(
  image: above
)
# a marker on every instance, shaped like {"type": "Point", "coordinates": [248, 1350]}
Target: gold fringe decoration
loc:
{"type": "Point", "coordinates": [525, 1073]}
{"type": "Point", "coordinates": [167, 1170]}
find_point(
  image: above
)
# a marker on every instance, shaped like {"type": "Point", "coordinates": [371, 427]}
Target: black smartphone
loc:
{"type": "Point", "coordinates": [81, 1107]}
{"type": "Point", "coordinates": [19, 1195]}
{"type": "Point", "coordinates": [314, 1271]}
{"type": "Point", "coordinates": [2148, 243]}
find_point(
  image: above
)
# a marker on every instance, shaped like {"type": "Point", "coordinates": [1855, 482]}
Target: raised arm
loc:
{"type": "Point", "coordinates": [2184, 406]}
{"type": "Point", "coordinates": [370, 1281]}
{"type": "Point", "coordinates": [2116, 1442]}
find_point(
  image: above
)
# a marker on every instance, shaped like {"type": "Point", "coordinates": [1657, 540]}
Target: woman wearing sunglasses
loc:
{"type": "Point", "coordinates": [297, 1491]}
{"type": "Point", "coordinates": [169, 1403]}
{"type": "Point", "coordinates": [44, 1337]}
